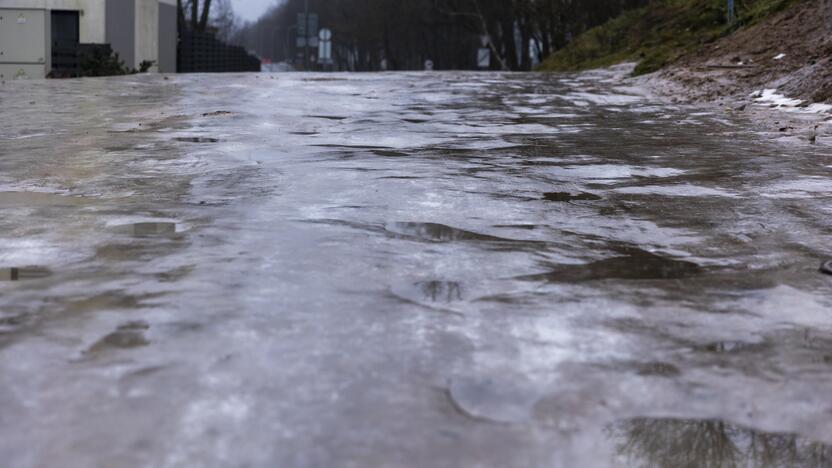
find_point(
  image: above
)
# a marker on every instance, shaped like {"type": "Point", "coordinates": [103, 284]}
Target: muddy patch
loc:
{"type": "Point", "coordinates": [328, 117]}
{"type": "Point", "coordinates": [219, 113]}
{"type": "Point", "coordinates": [24, 273]}
{"type": "Point", "coordinates": [439, 232]}
{"type": "Point", "coordinates": [148, 229]}
{"type": "Point", "coordinates": [197, 140]}
{"type": "Point", "coordinates": [657, 369]}
{"type": "Point", "coordinates": [129, 335]}
{"type": "Point", "coordinates": [568, 197]}
{"type": "Point", "coordinates": [637, 264]}
{"type": "Point", "coordinates": [32, 199]}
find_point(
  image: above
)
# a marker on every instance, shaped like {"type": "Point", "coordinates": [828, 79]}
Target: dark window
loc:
{"type": "Point", "coordinates": [65, 38]}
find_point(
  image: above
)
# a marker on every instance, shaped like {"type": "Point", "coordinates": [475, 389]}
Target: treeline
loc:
{"type": "Point", "coordinates": [403, 34]}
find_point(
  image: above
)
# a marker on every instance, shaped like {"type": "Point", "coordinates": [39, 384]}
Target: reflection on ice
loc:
{"type": "Point", "coordinates": [679, 443]}
{"type": "Point", "coordinates": [438, 232]}
{"type": "Point", "coordinates": [429, 293]}
{"type": "Point", "coordinates": [153, 229]}
{"type": "Point", "coordinates": [441, 291]}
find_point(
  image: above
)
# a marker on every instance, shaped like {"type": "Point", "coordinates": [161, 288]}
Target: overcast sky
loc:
{"type": "Point", "coordinates": [250, 10]}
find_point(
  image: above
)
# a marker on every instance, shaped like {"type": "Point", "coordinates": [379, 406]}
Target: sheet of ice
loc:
{"type": "Point", "coordinates": [613, 172]}
{"type": "Point", "coordinates": [680, 190]}
{"type": "Point", "coordinates": [383, 270]}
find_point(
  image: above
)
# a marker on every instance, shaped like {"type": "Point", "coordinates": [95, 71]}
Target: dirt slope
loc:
{"type": "Point", "coordinates": [744, 62]}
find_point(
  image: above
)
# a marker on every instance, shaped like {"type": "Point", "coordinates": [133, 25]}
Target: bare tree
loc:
{"type": "Point", "coordinates": [404, 33]}
{"type": "Point", "coordinates": [224, 19]}
{"type": "Point", "coordinates": [197, 22]}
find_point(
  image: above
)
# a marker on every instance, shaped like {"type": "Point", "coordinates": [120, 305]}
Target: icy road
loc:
{"type": "Point", "coordinates": [406, 270]}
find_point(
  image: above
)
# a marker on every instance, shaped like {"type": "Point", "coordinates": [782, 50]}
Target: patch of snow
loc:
{"type": "Point", "coordinates": [818, 108]}
{"type": "Point", "coordinates": [780, 57]}
{"type": "Point", "coordinates": [771, 97]}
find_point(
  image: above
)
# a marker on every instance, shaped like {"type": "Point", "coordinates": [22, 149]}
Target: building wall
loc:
{"type": "Point", "coordinates": [138, 30]}
{"type": "Point", "coordinates": [147, 32]}
{"type": "Point", "coordinates": [24, 35]}
{"type": "Point", "coordinates": [121, 29]}
{"type": "Point", "coordinates": [168, 36]}
{"type": "Point", "coordinates": [92, 18]}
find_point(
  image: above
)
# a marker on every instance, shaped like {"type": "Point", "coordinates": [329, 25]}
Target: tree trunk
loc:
{"type": "Point", "coordinates": [180, 15]}
{"type": "Point", "coordinates": [194, 13]}
{"type": "Point", "coordinates": [206, 9]}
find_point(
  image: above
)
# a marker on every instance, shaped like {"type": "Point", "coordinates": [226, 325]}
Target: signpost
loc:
{"type": "Point", "coordinates": [325, 47]}
{"type": "Point", "coordinates": [484, 58]}
{"type": "Point", "coordinates": [307, 32]}
{"type": "Point", "coordinates": [484, 53]}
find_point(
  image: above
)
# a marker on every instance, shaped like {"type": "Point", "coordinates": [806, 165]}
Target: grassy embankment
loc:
{"type": "Point", "coordinates": [658, 34]}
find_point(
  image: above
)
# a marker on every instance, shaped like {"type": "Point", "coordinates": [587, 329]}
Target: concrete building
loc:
{"type": "Point", "coordinates": [31, 31]}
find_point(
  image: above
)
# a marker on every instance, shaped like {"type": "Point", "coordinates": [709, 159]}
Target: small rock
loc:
{"type": "Point", "coordinates": [826, 267]}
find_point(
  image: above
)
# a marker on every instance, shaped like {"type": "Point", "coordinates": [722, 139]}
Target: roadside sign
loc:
{"type": "Point", "coordinates": [325, 52]}
{"type": "Point", "coordinates": [301, 42]}
{"type": "Point", "coordinates": [325, 46]}
{"type": "Point", "coordinates": [484, 57]}
{"type": "Point", "coordinates": [302, 23]}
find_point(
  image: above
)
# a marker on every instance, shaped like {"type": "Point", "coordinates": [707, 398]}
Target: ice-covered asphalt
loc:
{"type": "Point", "coordinates": [406, 270]}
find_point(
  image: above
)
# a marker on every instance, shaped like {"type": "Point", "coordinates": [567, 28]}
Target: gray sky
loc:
{"type": "Point", "coordinates": [250, 10]}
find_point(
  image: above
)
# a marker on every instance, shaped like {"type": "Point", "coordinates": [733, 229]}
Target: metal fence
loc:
{"type": "Point", "coordinates": [202, 52]}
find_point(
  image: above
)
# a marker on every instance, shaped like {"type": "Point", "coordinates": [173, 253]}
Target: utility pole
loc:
{"type": "Point", "coordinates": [291, 53]}
{"type": "Point", "coordinates": [306, 33]}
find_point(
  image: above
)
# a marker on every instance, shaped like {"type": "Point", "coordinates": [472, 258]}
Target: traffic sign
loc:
{"type": "Point", "coordinates": [301, 42]}
{"type": "Point", "coordinates": [484, 58]}
{"type": "Point", "coordinates": [312, 23]}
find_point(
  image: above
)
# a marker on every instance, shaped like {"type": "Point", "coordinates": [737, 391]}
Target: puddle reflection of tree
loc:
{"type": "Point", "coordinates": [672, 443]}
{"type": "Point", "coordinates": [442, 291]}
